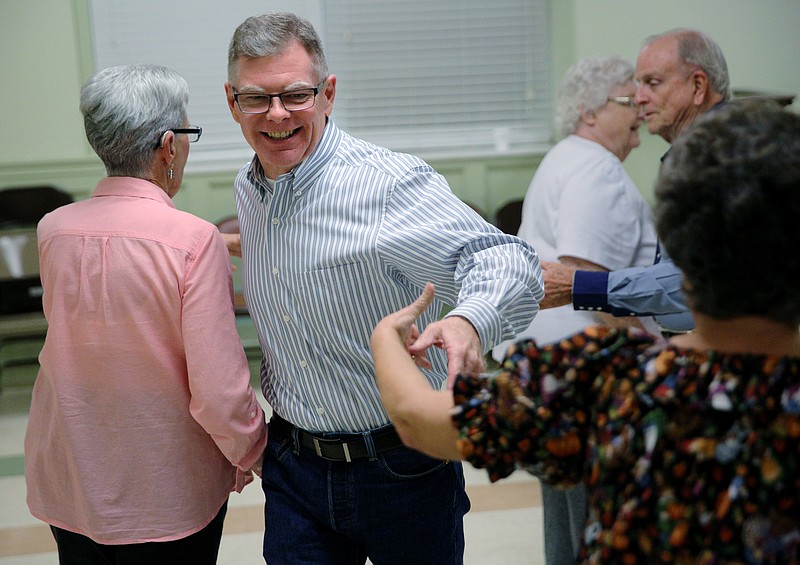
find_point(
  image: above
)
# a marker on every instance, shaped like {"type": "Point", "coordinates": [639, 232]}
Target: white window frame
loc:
{"type": "Point", "coordinates": [443, 79]}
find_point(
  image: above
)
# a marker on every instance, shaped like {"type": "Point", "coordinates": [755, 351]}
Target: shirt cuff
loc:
{"type": "Point", "coordinates": [590, 290]}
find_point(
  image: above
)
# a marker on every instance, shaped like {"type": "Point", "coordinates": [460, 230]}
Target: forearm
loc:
{"type": "Point", "coordinates": [420, 413]}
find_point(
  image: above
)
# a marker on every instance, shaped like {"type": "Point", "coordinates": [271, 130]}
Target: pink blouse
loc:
{"type": "Point", "coordinates": [142, 419]}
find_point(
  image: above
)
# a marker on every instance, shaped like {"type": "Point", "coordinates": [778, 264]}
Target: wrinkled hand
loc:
{"type": "Point", "coordinates": [458, 338]}
{"type": "Point", "coordinates": [557, 284]}
{"type": "Point", "coordinates": [233, 241]}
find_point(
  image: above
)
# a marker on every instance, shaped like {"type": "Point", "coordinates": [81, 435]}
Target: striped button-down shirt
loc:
{"type": "Point", "coordinates": [351, 234]}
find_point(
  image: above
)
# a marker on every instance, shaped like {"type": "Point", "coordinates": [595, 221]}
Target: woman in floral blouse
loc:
{"type": "Point", "coordinates": [690, 448]}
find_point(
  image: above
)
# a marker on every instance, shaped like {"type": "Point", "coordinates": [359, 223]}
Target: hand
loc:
{"type": "Point", "coordinates": [420, 413]}
{"type": "Point", "coordinates": [557, 284]}
{"type": "Point", "coordinates": [233, 241]}
{"type": "Point", "coordinates": [457, 336]}
{"type": "Point", "coordinates": [403, 323]}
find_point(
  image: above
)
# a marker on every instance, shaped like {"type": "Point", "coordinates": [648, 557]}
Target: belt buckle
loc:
{"type": "Point", "coordinates": [318, 450]}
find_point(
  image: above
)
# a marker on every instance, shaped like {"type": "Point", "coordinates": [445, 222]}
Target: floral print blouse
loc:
{"type": "Point", "coordinates": [689, 457]}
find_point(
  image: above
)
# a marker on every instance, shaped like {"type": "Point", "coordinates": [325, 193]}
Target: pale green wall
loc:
{"type": "Point", "coordinates": [45, 55]}
{"type": "Point", "coordinates": [760, 39]}
{"type": "Point", "coordinates": [41, 76]}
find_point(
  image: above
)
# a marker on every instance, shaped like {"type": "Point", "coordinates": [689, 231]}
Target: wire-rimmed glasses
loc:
{"type": "Point", "coordinates": [629, 101]}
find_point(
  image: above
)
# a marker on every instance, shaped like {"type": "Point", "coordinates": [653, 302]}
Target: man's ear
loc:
{"type": "Point", "coordinates": [700, 86]}
{"type": "Point", "coordinates": [329, 92]}
{"type": "Point", "coordinates": [231, 101]}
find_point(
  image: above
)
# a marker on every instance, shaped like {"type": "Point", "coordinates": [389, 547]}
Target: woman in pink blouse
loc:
{"type": "Point", "coordinates": [142, 419]}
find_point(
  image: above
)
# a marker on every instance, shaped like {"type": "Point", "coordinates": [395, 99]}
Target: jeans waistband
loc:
{"type": "Point", "coordinates": [345, 447]}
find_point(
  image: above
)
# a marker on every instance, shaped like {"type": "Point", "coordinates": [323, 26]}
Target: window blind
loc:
{"type": "Point", "coordinates": [454, 78]}
{"type": "Point", "coordinates": [450, 77]}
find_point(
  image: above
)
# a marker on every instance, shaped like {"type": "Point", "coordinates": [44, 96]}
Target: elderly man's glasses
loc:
{"type": "Point", "coordinates": [193, 132]}
{"type": "Point", "coordinates": [292, 100]}
{"type": "Point", "coordinates": [628, 101]}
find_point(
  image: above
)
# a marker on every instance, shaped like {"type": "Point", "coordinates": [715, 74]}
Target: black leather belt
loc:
{"type": "Point", "coordinates": [340, 447]}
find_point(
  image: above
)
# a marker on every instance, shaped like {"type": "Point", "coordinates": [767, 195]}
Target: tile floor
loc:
{"type": "Point", "coordinates": [503, 528]}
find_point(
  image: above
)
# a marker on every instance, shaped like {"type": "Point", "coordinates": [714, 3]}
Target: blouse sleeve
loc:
{"type": "Point", "coordinates": [540, 410]}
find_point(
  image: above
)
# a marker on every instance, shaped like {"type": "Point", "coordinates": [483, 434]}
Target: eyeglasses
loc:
{"type": "Point", "coordinates": [292, 100]}
{"type": "Point", "coordinates": [628, 101]}
{"type": "Point", "coordinates": [193, 132]}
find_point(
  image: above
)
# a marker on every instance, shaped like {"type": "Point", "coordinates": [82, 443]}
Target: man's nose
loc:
{"type": "Point", "coordinates": [276, 109]}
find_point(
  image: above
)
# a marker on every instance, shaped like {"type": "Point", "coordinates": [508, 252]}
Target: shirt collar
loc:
{"type": "Point", "coordinates": [131, 187]}
{"type": "Point", "coordinates": [306, 172]}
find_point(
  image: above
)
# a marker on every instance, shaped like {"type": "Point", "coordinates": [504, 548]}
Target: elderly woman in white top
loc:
{"type": "Point", "coordinates": [583, 209]}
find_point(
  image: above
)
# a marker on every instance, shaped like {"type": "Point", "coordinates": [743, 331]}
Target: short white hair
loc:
{"type": "Point", "coordinates": [586, 86]}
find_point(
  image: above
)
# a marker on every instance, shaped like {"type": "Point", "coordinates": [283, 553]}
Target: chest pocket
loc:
{"type": "Point", "coordinates": [334, 304]}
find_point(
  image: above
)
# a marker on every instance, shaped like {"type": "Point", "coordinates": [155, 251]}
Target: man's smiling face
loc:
{"type": "Point", "coordinates": [281, 139]}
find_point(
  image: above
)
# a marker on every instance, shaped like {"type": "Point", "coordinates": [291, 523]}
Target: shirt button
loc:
{"type": "Point", "coordinates": [286, 317]}
{"type": "Point", "coordinates": [320, 410]}
{"type": "Point", "coordinates": [303, 364]}
{"type": "Point", "coordinates": [275, 221]}
{"type": "Point", "coordinates": [297, 194]}
{"type": "Point", "coordinates": [274, 270]}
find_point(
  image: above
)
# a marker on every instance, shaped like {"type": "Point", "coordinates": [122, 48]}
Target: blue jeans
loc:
{"type": "Point", "coordinates": [399, 508]}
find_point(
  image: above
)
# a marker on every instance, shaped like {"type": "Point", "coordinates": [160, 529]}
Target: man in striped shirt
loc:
{"type": "Point", "coordinates": [335, 234]}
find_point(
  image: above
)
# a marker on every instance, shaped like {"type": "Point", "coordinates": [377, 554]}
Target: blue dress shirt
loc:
{"type": "Point", "coordinates": [636, 291]}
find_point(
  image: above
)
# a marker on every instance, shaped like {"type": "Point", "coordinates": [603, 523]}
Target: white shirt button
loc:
{"type": "Point", "coordinates": [286, 317]}
{"type": "Point", "coordinates": [303, 364]}
{"type": "Point", "coordinates": [275, 221]}
{"type": "Point", "coordinates": [274, 270]}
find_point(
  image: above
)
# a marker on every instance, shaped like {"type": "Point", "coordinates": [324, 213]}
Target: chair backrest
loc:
{"type": "Point", "coordinates": [21, 208]}
{"type": "Point", "coordinates": [27, 204]}
{"type": "Point", "coordinates": [509, 216]}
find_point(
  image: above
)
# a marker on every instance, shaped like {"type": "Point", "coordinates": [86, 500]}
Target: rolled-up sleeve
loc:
{"type": "Point", "coordinates": [490, 278]}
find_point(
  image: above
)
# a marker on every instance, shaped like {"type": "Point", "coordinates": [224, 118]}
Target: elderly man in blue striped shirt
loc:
{"type": "Point", "coordinates": [335, 234]}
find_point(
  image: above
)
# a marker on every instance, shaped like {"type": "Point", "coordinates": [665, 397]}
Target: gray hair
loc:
{"type": "Point", "coordinates": [586, 87]}
{"type": "Point", "coordinates": [271, 33]}
{"type": "Point", "coordinates": [696, 49]}
{"type": "Point", "coordinates": [125, 111]}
